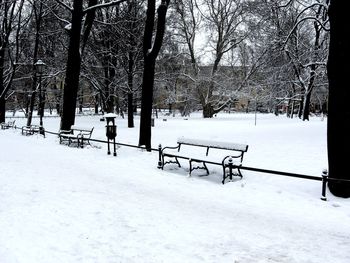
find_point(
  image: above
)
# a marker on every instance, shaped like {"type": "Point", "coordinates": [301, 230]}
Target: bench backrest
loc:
{"type": "Point", "coordinates": [213, 144]}
{"type": "Point", "coordinates": [84, 130]}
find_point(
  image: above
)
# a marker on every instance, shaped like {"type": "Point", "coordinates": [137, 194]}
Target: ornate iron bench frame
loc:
{"type": "Point", "coordinates": [7, 125]}
{"type": "Point", "coordinates": [76, 135]}
{"type": "Point", "coordinates": [228, 162]}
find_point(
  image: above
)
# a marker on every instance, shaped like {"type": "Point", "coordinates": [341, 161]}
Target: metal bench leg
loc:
{"type": "Point", "coordinates": [206, 168]}
{"type": "Point", "coordinates": [177, 161]}
{"type": "Point", "coordinates": [239, 172]}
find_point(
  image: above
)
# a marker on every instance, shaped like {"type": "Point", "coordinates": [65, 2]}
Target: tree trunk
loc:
{"type": "Point", "coordinates": [146, 104]}
{"type": "Point", "coordinates": [150, 53]}
{"type": "Point", "coordinates": [306, 106]}
{"type": "Point", "coordinates": [339, 94]}
{"type": "Point", "coordinates": [301, 106]}
{"type": "Point", "coordinates": [38, 19]}
{"type": "Point", "coordinates": [73, 68]}
{"type": "Point", "coordinates": [131, 90]}
{"type": "Point", "coordinates": [6, 27]}
{"type": "Point", "coordinates": [208, 111]}
{"type": "Point", "coordinates": [130, 110]}
{"type": "Point", "coordinates": [2, 98]}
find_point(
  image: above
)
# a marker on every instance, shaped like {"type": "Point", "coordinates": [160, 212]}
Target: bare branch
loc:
{"type": "Point", "coordinates": [112, 3]}
{"type": "Point", "coordinates": [302, 20]}
{"type": "Point", "coordinates": [65, 5]}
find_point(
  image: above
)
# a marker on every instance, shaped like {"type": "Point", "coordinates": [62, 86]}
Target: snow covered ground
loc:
{"type": "Point", "coordinates": [63, 204]}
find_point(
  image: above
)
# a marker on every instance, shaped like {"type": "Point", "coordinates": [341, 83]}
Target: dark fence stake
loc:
{"type": "Point", "coordinates": [324, 184]}
{"type": "Point", "coordinates": [230, 167]}
{"type": "Point", "coordinates": [160, 166]}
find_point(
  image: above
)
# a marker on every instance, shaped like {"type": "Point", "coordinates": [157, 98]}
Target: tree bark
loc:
{"type": "Point", "coordinates": [7, 11]}
{"type": "Point", "coordinates": [2, 98]}
{"type": "Point", "coordinates": [130, 110]}
{"type": "Point", "coordinates": [73, 68]}
{"type": "Point", "coordinates": [150, 54]}
{"type": "Point", "coordinates": [71, 85]}
{"type": "Point", "coordinates": [339, 93]}
{"type": "Point", "coordinates": [146, 104]}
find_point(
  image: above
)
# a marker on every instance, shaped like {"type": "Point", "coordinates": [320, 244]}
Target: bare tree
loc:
{"type": "Point", "coordinates": [131, 57]}
{"type": "Point", "coordinates": [150, 53]}
{"type": "Point", "coordinates": [79, 34]}
{"type": "Point", "coordinates": [9, 12]}
{"type": "Point", "coordinates": [38, 13]}
{"type": "Point", "coordinates": [306, 51]}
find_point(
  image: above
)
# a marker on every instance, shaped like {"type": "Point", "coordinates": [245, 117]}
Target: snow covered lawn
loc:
{"type": "Point", "coordinates": [64, 204]}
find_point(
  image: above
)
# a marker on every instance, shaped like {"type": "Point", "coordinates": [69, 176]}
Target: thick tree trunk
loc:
{"type": "Point", "coordinates": [339, 94]}
{"type": "Point", "coordinates": [306, 106]}
{"type": "Point", "coordinates": [147, 101]}
{"type": "Point", "coordinates": [73, 68]}
{"type": "Point", "coordinates": [150, 53]}
{"type": "Point", "coordinates": [208, 111]}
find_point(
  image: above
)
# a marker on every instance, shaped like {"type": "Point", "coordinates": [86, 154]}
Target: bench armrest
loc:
{"type": "Point", "coordinates": [170, 147]}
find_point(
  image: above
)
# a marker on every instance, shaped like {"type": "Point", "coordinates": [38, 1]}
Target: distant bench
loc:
{"type": "Point", "coordinates": [32, 129]}
{"type": "Point", "coordinates": [7, 125]}
{"type": "Point", "coordinates": [188, 149]}
{"type": "Point", "coordinates": [76, 134]}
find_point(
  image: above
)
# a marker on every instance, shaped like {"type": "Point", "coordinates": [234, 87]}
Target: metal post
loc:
{"type": "Point", "coordinates": [160, 166]}
{"type": "Point", "coordinates": [115, 151]}
{"type": "Point", "coordinates": [82, 141]}
{"type": "Point", "coordinates": [324, 184]}
{"type": "Point", "coordinates": [40, 102]}
{"type": "Point", "coordinates": [108, 151]}
{"type": "Point", "coordinates": [230, 167]}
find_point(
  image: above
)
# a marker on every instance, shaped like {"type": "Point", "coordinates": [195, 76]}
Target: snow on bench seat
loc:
{"type": "Point", "coordinates": [213, 144]}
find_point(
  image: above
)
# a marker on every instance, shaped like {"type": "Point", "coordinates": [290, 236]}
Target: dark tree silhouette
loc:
{"type": "Point", "coordinates": [73, 68]}
{"type": "Point", "coordinates": [339, 94]}
{"type": "Point", "coordinates": [7, 17]}
{"type": "Point", "coordinates": [75, 51]}
{"type": "Point", "coordinates": [150, 54]}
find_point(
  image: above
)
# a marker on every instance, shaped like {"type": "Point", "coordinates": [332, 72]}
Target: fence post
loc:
{"type": "Point", "coordinates": [230, 167]}
{"type": "Point", "coordinates": [324, 184]}
{"type": "Point", "coordinates": [160, 166]}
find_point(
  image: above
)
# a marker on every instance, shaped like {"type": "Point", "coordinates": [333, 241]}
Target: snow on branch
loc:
{"type": "Point", "coordinates": [65, 5]}
{"type": "Point", "coordinates": [112, 3]}
{"type": "Point", "coordinates": [302, 20]}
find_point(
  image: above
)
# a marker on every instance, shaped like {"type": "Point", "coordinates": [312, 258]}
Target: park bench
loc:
{"type": "Point", "coordinates": [7, 125]}
{"type": "Point", "coordinates": [32, 129]}
{"type": "Point", "coordinates": [228, 155]}
{"type": "Point", "coordinates": [77, 135]}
